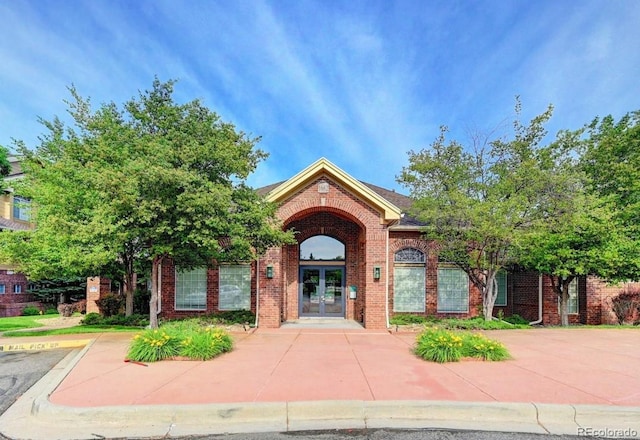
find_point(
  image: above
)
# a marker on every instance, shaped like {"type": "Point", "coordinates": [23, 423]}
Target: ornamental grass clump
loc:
{"type": "Point", "coordinates": [438, 345]}
{"type": "Point", "coordinates": [205, 343]}
{"type": "Point", "coordinates": [152, 346]}
{"type": "Point", "coordinates": [479, 346]}
{"type": "Point", "coordinates": [185, 338]}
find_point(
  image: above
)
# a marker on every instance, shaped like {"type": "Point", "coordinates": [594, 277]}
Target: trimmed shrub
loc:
{"type": "Point", "coordinates": [110, 304]}
{"type": "Point", "coordinates": [406, 319]}
{"type": "Point", "coordinates": [127, 321]}
{"type": "Point", "coordinates": [626, 305]}
{"type": "Point", "coordinates": [30, 311]}
{"type": "Point", "coordinates": [92, 319]}
{"type": "Point", "coordinates": [516, 320]}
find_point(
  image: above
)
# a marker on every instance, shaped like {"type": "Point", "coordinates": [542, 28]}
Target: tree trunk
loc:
{"type": "Point", "coordinates": [155, 292]}
{"type": "Point", "coordinates": [129, 287]}
{"type": "Point", "coordinates": [489, 294]}
{"type": "Point", "coordinates": [564, 300]}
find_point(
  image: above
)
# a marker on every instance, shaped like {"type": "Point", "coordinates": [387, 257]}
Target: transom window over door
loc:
{"type": "Point", "coordinates": [321, 248]}
{"type": "Point", "coordinates": [409, 281]}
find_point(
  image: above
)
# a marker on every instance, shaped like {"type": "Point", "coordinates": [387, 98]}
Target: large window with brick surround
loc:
{"type": "Point", "coordinates": [453, 290]}
{"type": "Point", "coordinates": [235, 287]}
{"type": "Point", "coordinates": [409, 281]}
{"type": "Point", "coordinates": [572, 304]}
{"type": "Point", "coordinates": [191, 289]}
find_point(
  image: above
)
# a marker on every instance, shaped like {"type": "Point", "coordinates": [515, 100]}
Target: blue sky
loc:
{"type": "Point", "coordinates": [358, 82]}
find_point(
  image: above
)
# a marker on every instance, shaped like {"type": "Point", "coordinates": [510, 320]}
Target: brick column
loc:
{"type": "Point", "coordinates": [375, 300]}
{"type": "Point", "coordinates": [97, 287]}
{"type": "Point", "coordinates": [270, 290]}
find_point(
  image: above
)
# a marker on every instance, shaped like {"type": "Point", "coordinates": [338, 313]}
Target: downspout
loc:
{"type": "Point", "coordinates": [539, 320]}
{"type": "Point", "coordinates": [257, 291]}
{"type": "Point", "coordinates": [159, 281]}
{"type": "Point", "coordinates": [386, 278]}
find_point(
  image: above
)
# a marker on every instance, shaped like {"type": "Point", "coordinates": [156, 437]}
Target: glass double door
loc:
{"type": "Point", "coordinates": [322, 291]}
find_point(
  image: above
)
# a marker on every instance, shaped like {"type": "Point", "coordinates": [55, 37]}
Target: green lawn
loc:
{"type": "Point", "coordinates": [20, 322]}
{"type": "Point", "coordinates": [16, 326]}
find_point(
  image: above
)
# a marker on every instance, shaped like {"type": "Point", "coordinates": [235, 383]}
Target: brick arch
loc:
{"type": "Point", "coordinates": [320, 211]}
{"type": "Point", "coordinates": [416, 243]}
{"type": "Point", "coordinates": [337, 233]}
{"type": "Point", "coordinates": [337, 201]}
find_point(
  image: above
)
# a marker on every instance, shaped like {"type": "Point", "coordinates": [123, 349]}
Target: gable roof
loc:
{"type": "Point", "coordinates": [389, 203]}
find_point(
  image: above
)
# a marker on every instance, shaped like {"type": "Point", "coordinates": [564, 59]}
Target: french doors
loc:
{"type": "Point", "coordinates": [321, 291]}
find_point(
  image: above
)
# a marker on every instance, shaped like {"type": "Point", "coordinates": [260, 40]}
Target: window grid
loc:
{"type": "Point", "coordinates": [501, 279]}
{"type": "Point", "coordinates": [21, 208]}
{"type": "Point", "coordinates": [235, 288]}
{"type": "Point", "coordinates": [191, 289]}
{"type": "Point", "coordinates": [409, 289]}
{"type": "Point", "coordinates": [453, 290]}
{"type": "Point", "coordinates": [572, 303]}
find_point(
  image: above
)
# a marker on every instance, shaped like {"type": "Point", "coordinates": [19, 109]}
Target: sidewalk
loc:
{"type": "Point", "coordinates": [293, 378]}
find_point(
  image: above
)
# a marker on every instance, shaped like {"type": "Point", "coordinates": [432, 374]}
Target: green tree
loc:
{"type": "Point", "coordinates": [5, 166]}
{"type": "Point", "coordinates": [478, 201]}
{"type": "Point", "coordinates": [611, 161]}
{"type": "Point", "coordinates": [151, 180]}
{"type": "Point", "coordinates": [583, 240]}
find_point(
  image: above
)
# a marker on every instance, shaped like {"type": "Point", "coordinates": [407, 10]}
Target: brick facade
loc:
{"type": "Point", "coordinates": [12, 304]}
{"type": "Point", "coordinates": [329, 204]}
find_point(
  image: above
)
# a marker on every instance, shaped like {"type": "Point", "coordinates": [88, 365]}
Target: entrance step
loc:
{"type": "Point", "coordinates": [339, 323]}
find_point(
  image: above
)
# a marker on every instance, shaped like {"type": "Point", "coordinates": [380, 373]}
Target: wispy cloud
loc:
{"type": "Point", "coordinates": [359, 82]}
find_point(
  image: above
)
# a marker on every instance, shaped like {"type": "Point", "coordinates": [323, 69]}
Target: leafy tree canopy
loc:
{"type": "Point", "coordinates": [478, 200]}
{"type": "Point", "coordinates": [147, 180]}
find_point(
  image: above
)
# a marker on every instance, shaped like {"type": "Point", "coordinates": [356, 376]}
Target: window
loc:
{"type": "Point", "coordinates": [323, 248]}
{"type": "Point", "coordinates": [21, 208]}
{"type": "Point", "coordinates": [501, 279]}
{"type": "Point", "coordinates": [235, 288]}
{"type": "Point", "coordinates": [191, 289]}
{"type": "Point", "coordinates": [572, 304]}
{"type": "Point", "coordinates": [17, 288]}
{"type": "Point", "coordinates": [409, 281]}
{"type": "Point", "coordinates": [3, 289]}
{"type": "Point", "coordinates": [453, 290]}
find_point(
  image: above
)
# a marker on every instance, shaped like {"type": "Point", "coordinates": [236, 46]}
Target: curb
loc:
{"type": "Point", "coordinates": [33, 416]}
{"type": "Point", "coordinates": [51, 345]}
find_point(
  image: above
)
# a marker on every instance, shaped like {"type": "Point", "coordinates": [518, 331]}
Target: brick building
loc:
{"type": "Point", "coordinates": [359, 257]}
{"type": "Point", "coordinates": [14, 215]}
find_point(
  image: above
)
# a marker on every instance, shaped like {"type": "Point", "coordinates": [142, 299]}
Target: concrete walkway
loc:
{"type": "Point", "coordinates": [561, 381]}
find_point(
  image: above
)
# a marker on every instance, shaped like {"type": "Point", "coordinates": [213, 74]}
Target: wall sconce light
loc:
{"type": "Point", "coordinates": [376, 272]}
{"type": "Point", "coordinates": [269, 271]}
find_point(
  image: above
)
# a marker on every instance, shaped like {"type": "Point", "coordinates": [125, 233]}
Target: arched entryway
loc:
{"type": "Point", "coordinates": [321, 291]}
{"type": "Point", "coordinates": [323, 265]}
